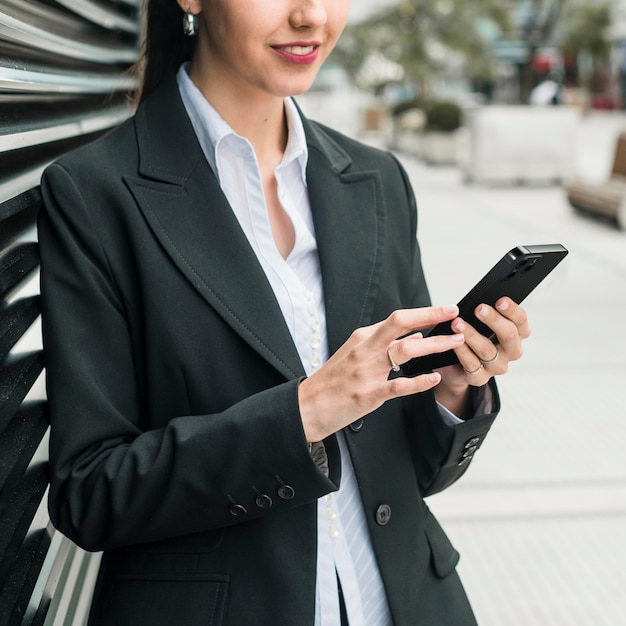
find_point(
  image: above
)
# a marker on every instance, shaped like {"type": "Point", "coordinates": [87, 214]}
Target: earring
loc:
{"type": "Point", "coordinates": [190, 24]}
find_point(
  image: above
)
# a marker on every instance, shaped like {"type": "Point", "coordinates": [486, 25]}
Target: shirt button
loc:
{"type": "Point", "coordinates": [333, 532]}
{"type": "Point", "coordinates": [329, 497]}
{"type": "Point", "coordinates": [315, 324]}
{"type": "Point", "coordinates": [315, 361]}
{"type": "Point", "coordinates": [331, 514]}
{"type": "Point", "coordinates": [315, 342]}
{"type": "Point", "coordinates": [311, 308]}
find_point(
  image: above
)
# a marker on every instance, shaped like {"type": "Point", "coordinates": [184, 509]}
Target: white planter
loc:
{"type": "Point", "coordinates": [520, 144]}
{"type": "Point", "coordinates": [407, 129]}
{"type": "Point", "coordinates": [410, 142]}
{"type": "Point", "coordinates": [440, 148]}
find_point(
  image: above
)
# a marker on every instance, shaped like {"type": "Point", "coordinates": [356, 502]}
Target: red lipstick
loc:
{"type": "Point", "coordinates": [299, 52]}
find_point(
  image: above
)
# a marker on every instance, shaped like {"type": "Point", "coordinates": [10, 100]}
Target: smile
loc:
{"type": "Point", "coordinates": [300, 50]}
{"type": "Point", "coordinates": [297, 53]}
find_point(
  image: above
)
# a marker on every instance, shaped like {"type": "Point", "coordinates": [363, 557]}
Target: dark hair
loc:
{"type": "Point", "coordinates": [165, 46]}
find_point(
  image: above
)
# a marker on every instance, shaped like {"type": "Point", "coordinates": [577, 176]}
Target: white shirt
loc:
{"type": "Point", "coordinates": [297, 285]}
{"type": "Point", "coordinates": [344, 546]}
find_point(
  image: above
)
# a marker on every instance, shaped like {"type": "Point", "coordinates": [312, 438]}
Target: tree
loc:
{"type": "Point", "coordinates": [539, 21]}
{"type": "Point", "coordinates": [586, 34]}
{"type": "Point", "coordinates": [420, 35]}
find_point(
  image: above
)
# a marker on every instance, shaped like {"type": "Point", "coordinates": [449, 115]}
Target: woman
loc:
{"type": "Point", "coordinates": [226, 288]}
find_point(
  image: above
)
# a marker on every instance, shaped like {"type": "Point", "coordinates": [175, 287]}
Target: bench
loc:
{"type": "Point", "coordinates": [607, 199]}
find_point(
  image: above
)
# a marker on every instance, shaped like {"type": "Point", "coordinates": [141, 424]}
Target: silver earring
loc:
{"type": "Point", "coordinates": [190, 24]}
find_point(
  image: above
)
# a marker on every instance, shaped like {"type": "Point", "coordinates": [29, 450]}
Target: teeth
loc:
{"type": "Point", "coordinates": [299, 49]}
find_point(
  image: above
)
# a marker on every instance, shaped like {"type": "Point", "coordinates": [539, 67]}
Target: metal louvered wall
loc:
{"type": "Point", "coordinates": [63, 80]}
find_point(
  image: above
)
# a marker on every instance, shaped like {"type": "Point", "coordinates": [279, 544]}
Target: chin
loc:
{"type": "Point", "coordinates": [296, 85]}
{"type": "Point", "coordinates": [298, 92]}
{"type": "Point", "coordinates": [297, 88]}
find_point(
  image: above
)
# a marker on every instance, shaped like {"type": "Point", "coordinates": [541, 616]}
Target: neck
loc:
{"type": "Point", "coordinates": [260, 118]}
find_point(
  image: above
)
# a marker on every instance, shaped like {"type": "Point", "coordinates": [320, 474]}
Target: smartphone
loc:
{"type": "Point", "coordinates": [515, 275]}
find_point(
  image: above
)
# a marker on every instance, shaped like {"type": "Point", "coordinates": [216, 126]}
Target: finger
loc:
{"type": "Point", "coordinates": [472, 361]}
{"type": "Point", "coordinates": [507, 334]}
{"type": "Point", "coordinates": [404, 321]}
{"type": "Point", "coordinates": [501, 323]}
{"type": "Point", "coordinates": [400, 387]}
{"type": "Point", "coordinates": [474, 371]}
{"type": "Point", "coordinates": [516, 314]}
{"type": "Point", "coordinates": [470, 370]}
{"type": "Point", "coordinates": [469, 360]}
{"type": "Point", "coordinates": [507, 329]}
{"type": "Point", "coordinates": [493, 360]}
{"type": "Point", "coordinates": [493, 353]}
{"type": "Point", "coordinates": [477, 344]}
{"type": "Point", "coordinates": [478, 350]}
{"type": "Point", "coordinates": [416, 345]}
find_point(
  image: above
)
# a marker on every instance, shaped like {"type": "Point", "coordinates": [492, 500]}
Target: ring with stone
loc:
{"type": "Point", "coordinates": [394, 366]}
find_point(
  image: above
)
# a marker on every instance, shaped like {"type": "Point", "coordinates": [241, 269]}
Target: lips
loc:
{"type": "Point", "coordinates": [300, 53]}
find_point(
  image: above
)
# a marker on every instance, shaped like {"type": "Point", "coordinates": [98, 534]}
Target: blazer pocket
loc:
{"type": "Point", "coordinates": [167, 599]}
{"type": "Point", "coordinates": [443, 555]}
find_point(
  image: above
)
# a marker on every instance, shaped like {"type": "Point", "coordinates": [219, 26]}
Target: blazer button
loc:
{"type": "Point", "coordinates": [383, 514]}
{"type": "Point", "coordinates": [357, 426]}
{"type": "Point", "coordinates": [263, 501]}
{"type": "Point", "coordinates": [237, 510]}
{"type": "Point", "coordinates": [471, 442]}
{"type": "Point", "coordinates": [286, 492]}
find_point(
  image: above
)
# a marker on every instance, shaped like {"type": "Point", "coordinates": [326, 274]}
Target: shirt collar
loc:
{"type": "Point", "coordinates": [211, 129]}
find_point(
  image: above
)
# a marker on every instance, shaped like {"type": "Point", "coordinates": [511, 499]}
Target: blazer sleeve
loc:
{"type": "Point", "coordinates": [442, 452]}
{"type": "Point", "coordinates": [112, 481]}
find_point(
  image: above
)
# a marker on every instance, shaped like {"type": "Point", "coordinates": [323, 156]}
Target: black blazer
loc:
{"type": "Point", "coordinates": [176, 442]}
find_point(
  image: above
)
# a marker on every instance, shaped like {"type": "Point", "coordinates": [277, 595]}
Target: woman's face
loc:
{"type": "Point", "coordinates": [270, 47]}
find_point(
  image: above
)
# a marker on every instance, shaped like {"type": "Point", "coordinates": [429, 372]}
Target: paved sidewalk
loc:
{"type": "Point", "coordinates": [540, 517]}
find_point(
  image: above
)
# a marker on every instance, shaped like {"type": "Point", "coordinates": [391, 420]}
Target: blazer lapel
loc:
{"type": "Point", "coordinates": [181, 200]}
{"type": "Point", "coordinates": [349, 217]}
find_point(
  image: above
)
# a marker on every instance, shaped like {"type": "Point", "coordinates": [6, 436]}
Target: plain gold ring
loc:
{"type": "Point", "coordinates": [475, 371]}
{"type": "Point", "coordinates": [491, 361]}
{"type": "Point", "coordinates": [394, 366]}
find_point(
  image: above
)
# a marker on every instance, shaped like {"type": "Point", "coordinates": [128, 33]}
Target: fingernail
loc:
{"type": "Point", "coordinates": [503, 306]}
{"type": "Point", "coordinates": [459, 325]}
{"type": "Point", "coordinates": [482, 310]}
{"type": "Point", "coordinates": [458, 338]}
{"type": "Point", "coordinates": [434, 378]}
{"type": "Point", "coordinates": [450, 308]}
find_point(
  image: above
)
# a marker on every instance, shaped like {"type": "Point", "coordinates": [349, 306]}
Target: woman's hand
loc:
{"type": "Point", "coordinates": [355, 380]}
{"type": "Point", "coordinates": [480, 358]}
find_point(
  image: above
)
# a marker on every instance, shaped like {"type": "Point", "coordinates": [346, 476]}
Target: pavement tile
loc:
{"type": "Point", "coordinates": [540, 517]}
